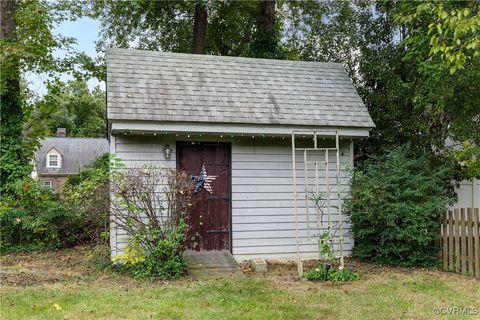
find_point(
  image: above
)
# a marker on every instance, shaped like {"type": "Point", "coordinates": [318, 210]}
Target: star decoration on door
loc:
{"type": "Point", "coordinates": [203, 180]}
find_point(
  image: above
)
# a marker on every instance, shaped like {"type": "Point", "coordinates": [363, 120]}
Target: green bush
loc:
{"type": "Point", "coordinates": [395, 206]}
{"type": "Point", "coordinates": [320, 273]}
{"type": "Point", "coordinates": [88, 194]}
{"type": "Point", "coordinates": [34, 218]}
{"type": "Point", "coordinates": [163, 262]}
{"type": "Point", "coordinates": [154, 220]}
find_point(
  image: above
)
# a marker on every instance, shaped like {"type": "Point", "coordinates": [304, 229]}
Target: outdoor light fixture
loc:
{"type": "Point", "coordinates": [167, 151]}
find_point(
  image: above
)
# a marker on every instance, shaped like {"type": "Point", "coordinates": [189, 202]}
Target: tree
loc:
{"type": "Point", "coordinates": [266, 39]}
{"type": "Point", "coordinates": [72, 106]}
{"type": "Point", "coordinates": [444, 42]}
{"type": "Point", "coordinates": [199, 28]}
{"type": "Point", "coordinates": [391, 61]}
{"type": "Point", "coordinates": [211, 27]}
{"type": "Point", "coordinates": [12, 158]}
{"type": "Point", "coordinates": [392, 64]}
{"type": "Point", "coordinates": [27, 44]}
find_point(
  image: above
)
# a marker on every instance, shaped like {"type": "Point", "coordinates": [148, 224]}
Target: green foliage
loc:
{"type": "Point", "coordinates": [154, 220]}
{"type": "Point", "coordinates": [396, 202]}
{"type": "Point", "coordinates": [34, 218]}
{"type": "Point", "coordinates": [229, 29]}
{"type": "Point", "coordinates": [453, 31]}
{"type": "Point", "coordinates": [408, 90]}
{"type": "Point", "coordinates": [325, 246]}
{"type": "Point", "coordinates": [28, 49]}
{"type": "Point", "coordinates": [72, 106]}
{"type": "Point", "coordinates": [92, 175]}
{"type": "Point", "coordinates": [320, 273]}
{"type": "Point", "coordinates": [469, 158]}
{"type": "Point", "coordinates": [163, 262]}
{"type": "Point", "coordinates": [88, 195]}
{"type": "Point", "coordinates": [444, 43]}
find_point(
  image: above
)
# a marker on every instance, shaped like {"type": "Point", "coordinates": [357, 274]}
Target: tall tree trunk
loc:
{"type": "Point", "coordinates": [7, 32]}
{"type": "Point", "coordinates": [266, 40]}
{"type": "Point", "coordinates": [7, 12]}
{"type": "Point", "coordinates": [199, 28]}
{"type": "Point", "coordinates": [13, 165]}
{"type": "Point", "coordinates": [266, 16]}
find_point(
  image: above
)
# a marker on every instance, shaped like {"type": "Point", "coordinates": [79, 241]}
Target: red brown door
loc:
{"type": "Point", "coordinates": [209, 219]}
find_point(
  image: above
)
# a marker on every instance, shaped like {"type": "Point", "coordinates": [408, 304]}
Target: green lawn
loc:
{"type": "Point", "coordinates": [381, 293]}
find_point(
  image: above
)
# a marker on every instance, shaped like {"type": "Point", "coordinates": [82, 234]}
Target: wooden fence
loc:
{"type": "Point", "coordinates": [460, 241]}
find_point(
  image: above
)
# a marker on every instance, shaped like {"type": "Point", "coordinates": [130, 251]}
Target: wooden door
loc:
{"type": "Point", "coordinates": [209, 219]}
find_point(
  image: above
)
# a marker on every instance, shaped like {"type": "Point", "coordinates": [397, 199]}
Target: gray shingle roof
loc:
{"type": "Point", "coordinates": [76, 153]}
{"type": "Point", "coordinates": [158, 86]}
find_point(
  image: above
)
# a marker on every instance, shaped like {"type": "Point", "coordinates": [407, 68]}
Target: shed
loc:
{"type": "Point", "coordinates": [235, 118]}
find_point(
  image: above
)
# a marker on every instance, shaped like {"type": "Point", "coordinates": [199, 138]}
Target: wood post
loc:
{"type": "Point", "coordinates": [457, 240]}
{"type": "Point", "coordinates": [476, 236]}
{"type": "Point", "coordinates": [463, 240]}
{"type": "Point", "coordinates": [451, 260]}
{"type": "Point", "coordinates": [469, 230]}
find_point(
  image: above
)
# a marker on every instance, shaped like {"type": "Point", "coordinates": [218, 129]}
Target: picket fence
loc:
{"type": "Point", "coordinates": [460, 241]}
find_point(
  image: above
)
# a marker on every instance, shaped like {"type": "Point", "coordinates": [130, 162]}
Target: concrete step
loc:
{"type": "Point", "coordinates": [211, 264]}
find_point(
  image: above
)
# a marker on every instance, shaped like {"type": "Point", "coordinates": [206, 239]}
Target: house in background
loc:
{"type": "Point", "coordinates": [60, 157]}
{"type": "Point", "coordinates": [230, 120]}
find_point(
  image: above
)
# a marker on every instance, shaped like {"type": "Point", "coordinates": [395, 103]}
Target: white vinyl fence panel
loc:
{"type": "Point", "coordinates": [468, 194]}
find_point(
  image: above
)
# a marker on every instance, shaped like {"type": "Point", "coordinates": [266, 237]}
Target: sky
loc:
{"type": "Point", "coordinates": [86, 31]}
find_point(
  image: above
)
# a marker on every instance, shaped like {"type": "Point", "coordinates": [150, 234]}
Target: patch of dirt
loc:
{"type": "Point", "coordinates": [285, 274]}
{"type": "Point", "coordinates": [33, 268]}
{"type": "Point", "coordinates": [73, 267]}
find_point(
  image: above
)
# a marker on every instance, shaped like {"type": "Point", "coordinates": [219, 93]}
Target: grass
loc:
{"type": "Point", "coordinates": [66, 289]}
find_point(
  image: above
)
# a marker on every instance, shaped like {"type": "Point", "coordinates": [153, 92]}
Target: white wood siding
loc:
{"type": "Point", "coordinates": [263, 219]}
{"type": "Point", "coordinates": [136, 151]}
{"type": "Point", "coordinates": [263, 215]}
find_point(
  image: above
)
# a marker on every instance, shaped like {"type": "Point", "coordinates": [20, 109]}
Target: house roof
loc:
{"type": "Point", "coordinates": [159, 86]}
{"type": "Point", "coordinates": [76, 153]}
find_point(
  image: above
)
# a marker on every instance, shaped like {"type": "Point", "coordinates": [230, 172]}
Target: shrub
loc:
{"type": "Point", "coordinates": [321, 273]}
{"type": "Point", "coordinates": [151, 205]}
{"type": "Point", "coordinates": [396, 203]}
{"type": "Point", "coordinates": [164, 262]}
{"type": "Point", "coordinates": [88, 194]}
{"type": "Point", "coordinates": [34, 218]}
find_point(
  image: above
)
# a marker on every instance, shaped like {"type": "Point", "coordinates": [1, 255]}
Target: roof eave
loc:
{"type": "Point", "coordinates": [157, 127]}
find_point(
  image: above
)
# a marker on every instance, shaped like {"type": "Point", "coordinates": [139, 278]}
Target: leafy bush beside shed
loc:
{"type": "Point", "coordinates": [396, 203]}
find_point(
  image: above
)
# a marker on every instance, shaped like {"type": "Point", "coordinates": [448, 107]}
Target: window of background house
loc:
{"type": "Point", "coordinates": [53, 161]}
{"type": "Point", "coordinates": [47, 184]}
